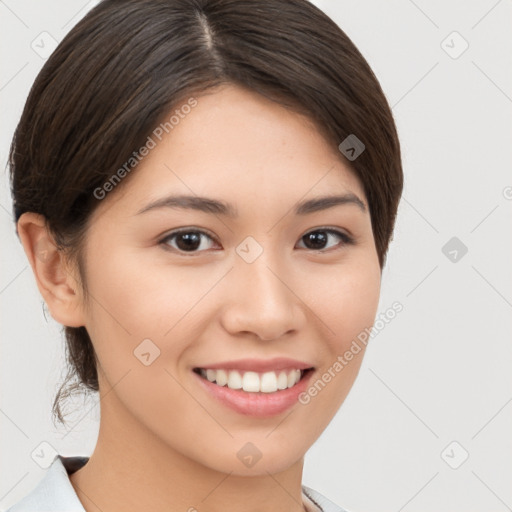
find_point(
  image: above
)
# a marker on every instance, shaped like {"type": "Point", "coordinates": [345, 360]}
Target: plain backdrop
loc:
{"type": "Point", "coordinates": [427, 424]}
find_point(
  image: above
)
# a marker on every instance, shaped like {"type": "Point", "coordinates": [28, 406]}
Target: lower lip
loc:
{"type": "Point", "coordinates": [261, 405]}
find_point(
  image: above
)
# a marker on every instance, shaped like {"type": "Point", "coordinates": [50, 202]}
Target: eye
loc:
{"type": "Point", "coordinates": [317, 239]}
{"type": "Point", "coordinates": [193, 241]}
{"type": "Point", "coordinates": [187, 240]}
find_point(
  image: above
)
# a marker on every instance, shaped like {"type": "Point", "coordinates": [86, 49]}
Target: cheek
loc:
{"type": "Point", "coordinates": [346, 304]}
{"type": "Point", "coordinates": [141, 299]}
{"type": "Point", "coordinates": [141, 321]}
{"type": "Point", "coordinates": [346, 299]}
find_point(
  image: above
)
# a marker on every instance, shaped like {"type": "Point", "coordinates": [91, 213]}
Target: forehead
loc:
{"type": "Point", "coordinates": [240, 147]}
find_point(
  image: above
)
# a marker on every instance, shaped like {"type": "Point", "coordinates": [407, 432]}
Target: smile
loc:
{"type": "Point", "coordinates": [253, 382]}
{"type": "Point", "coordinates": [260, 388]}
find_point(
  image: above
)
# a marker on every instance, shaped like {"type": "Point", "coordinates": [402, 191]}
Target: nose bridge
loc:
{"type": "Point", "coordinates": [264, 282]}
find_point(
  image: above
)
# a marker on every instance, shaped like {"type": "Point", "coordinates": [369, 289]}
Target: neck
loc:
{"type": "Point", "coordinates": [132, 469]}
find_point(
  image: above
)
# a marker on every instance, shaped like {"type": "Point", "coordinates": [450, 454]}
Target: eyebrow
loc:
{"type": "Point", "coordinates": [214, 206]}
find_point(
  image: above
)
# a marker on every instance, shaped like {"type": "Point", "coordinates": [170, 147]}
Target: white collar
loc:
{"type": "Point", "coordinates": [54, 492]}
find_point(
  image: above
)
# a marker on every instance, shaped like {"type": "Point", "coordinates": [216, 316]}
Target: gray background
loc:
{"type": "Point", "coordinates": [440, 371]}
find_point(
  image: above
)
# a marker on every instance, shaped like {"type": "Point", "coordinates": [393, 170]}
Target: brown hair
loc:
{"type": "Point", "coordinates": [128, 62]}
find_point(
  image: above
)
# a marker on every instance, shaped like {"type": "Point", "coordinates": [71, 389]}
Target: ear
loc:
{"type": "Point", "coordinates": [54, 277]}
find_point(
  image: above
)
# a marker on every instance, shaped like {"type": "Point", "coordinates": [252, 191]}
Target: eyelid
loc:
{"type": "Point", "coordinates": [189, 229]}
{"type": "Point", "coordinates": [331, 229]}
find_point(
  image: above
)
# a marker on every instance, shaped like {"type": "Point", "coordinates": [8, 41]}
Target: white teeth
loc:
{"type": "Point", "coordinates": [282, 381]}
{"type": "Point", "coordinates": [234, 380]}
{"type": "Point", "coordinates": [252, 382]}
{"type": "Point", "coordinates": [268, 382]}
{"type": "Point", "coordinates": [221, 377]}
{"type": "Point", "coordinates": [293, 377]}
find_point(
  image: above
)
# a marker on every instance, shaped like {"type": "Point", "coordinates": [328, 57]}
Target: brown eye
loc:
{"type": "Point", "coordinates": [318, 239]}
{"type": "Point", "coordinates": [190, 241]}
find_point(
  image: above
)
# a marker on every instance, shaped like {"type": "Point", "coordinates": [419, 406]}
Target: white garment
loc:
{"type": "Point", "coordinates": [54, 493]}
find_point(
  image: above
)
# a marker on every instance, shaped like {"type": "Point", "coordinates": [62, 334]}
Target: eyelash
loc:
{"type": "Point", "coordinates": [346, 239]}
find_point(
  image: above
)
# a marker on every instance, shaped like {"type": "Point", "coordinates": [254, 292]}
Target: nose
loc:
{"type": "Point", "coordinates": [261, 301]}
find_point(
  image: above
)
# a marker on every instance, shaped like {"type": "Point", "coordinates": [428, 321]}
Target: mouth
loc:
{"type": "Point", "coordinates": [254, 382]}
{"type": "Point", "coordinates": [258, 389]}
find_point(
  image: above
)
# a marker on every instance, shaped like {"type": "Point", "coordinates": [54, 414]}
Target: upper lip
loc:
{"type": "Point", "coordinates": [259, 365]}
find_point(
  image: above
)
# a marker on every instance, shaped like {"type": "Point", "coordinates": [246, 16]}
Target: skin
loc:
{"type": "Point", "coordinates": [164, 444]}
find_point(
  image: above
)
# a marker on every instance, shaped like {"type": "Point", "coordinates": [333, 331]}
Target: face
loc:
{"type": "Point", "coordinates": [244, 286]}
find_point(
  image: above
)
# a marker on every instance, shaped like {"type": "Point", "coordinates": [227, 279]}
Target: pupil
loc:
{"type": "Point", "coordinates": [192, 241]}
{"type": "Point", "coordinates": [318, 239]}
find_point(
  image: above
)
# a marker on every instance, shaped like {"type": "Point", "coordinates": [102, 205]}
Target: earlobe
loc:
{"type": "Point", "coordinates": [57, 285]}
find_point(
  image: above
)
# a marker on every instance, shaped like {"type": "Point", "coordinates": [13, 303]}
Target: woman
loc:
{"type": "Point", "coordinates": [206, 191]}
